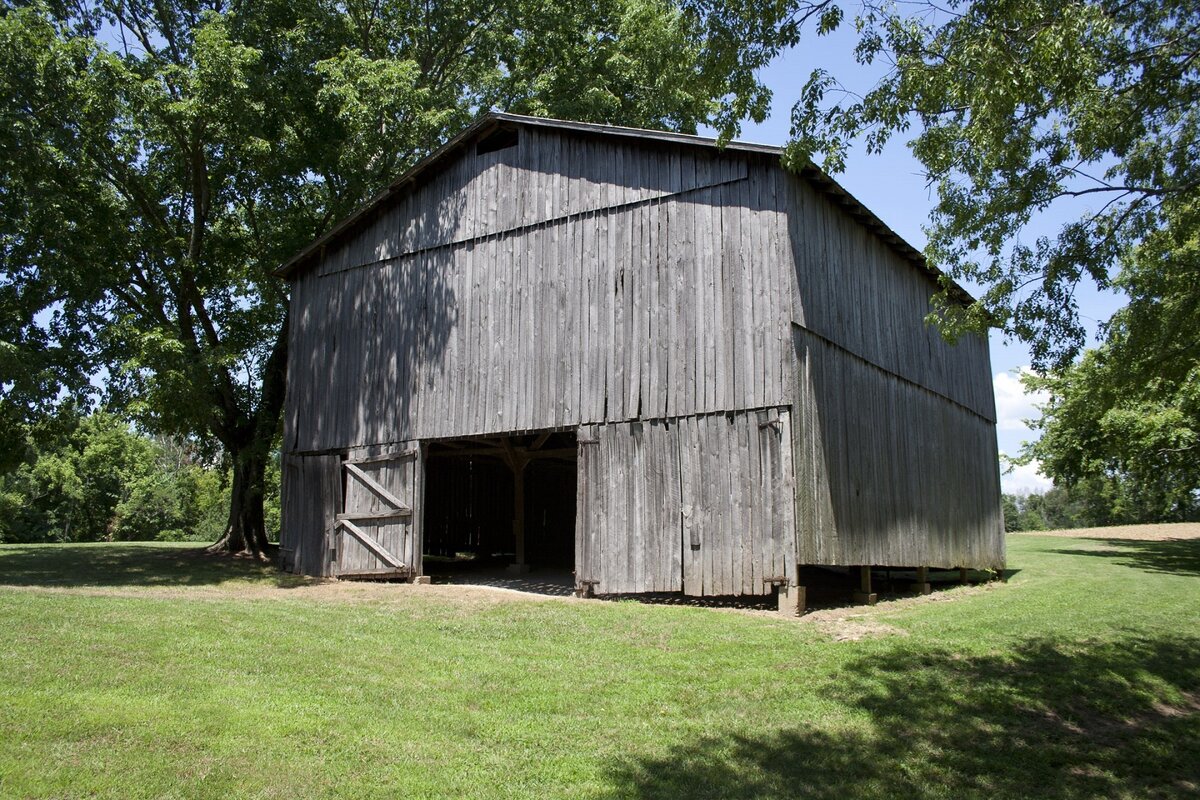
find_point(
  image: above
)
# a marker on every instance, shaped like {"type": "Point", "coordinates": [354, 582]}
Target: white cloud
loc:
{"type": "Point", "coordinates": [1013, 405]}
{"type": "Point", "coordinates": [1024, 479]}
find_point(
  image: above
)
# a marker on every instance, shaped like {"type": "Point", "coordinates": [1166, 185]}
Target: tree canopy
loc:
{"type": "Point", "coordinates": [1018, 107]}
{"type": "Point", "coordinates": [1126, 416]}
{"type": "Point", "coordinates": [90, 477]}
{"type": "Point", "coordinates": [1087, 110]}
{"type": "Point", "coordinates": [158, 160]}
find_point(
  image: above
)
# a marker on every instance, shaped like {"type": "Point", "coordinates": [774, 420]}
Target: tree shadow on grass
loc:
{"type": "Point", "coordinates": [1052, 720]}
{"type": "Point", "coordinates": [1174, 556]}
{"type": "Point", "coordinates": [112, 565]}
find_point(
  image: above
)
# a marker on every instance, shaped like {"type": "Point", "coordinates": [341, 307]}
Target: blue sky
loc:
{"type": "Point", "coordinates": [891, 185]}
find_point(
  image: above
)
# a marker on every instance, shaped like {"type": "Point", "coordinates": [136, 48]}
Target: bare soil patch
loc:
{"type": "Point", "coordinates": [852, 623]}
{"type": "Point", "coordinates": [1147, 533]}
{"type": "Point", "coordinates": [320, 591]}
{"type": "Point", "coordinates": [852, 629]}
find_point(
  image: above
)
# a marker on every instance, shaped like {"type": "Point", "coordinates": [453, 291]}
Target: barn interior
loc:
{"type": "Point", "coordinates": [500, 504]}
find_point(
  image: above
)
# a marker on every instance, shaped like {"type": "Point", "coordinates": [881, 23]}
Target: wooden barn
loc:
{"type": "Point", "coordinates": [660, 364]}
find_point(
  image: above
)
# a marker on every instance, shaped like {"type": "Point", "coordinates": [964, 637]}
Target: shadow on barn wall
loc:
{"type": "Point", "coordinates": [350, 343]}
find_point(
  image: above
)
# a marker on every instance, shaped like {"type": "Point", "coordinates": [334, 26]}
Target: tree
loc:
{"type": "Point", "coordinates": [1124, 422]}
{"type": "Point", "coordinates": [92, 477]}
{"type": "Point", "coordinates": [158, 160]}
{"type": "Point", "coordinates": [1089, 109]}
{"type": "Point", "coordinates": [1023, 105]}
{"type": "Point", "coordinates": [1121, 428]}
{"type": "Point", "coordinates": [1012, 513]}
{"type": "Point", "coordinates": [73, 473]}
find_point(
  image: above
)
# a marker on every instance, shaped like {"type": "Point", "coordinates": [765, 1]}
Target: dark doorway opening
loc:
{"type": "Point", "coordinates": [500, 503]}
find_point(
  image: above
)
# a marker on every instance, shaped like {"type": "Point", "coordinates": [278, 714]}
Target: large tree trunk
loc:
{"type": "Point", "coordinates": [246, 531]}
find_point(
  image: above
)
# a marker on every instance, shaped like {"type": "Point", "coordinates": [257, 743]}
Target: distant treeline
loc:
{"type": "Point", "coordinates": [1089, 504]}
{"type": "Point", "coordinates": [92, 477]}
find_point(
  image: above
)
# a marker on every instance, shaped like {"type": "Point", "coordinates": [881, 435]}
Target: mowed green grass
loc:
{"type": "Point", "coordinates": [153, 671]}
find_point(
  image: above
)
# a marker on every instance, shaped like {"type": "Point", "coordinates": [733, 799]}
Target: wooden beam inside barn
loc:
{"type": "Point", "coordinates": [517, 460]}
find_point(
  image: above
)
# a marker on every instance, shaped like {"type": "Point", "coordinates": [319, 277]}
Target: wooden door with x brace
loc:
{"type": "Point", "coordinates": [377, 534]}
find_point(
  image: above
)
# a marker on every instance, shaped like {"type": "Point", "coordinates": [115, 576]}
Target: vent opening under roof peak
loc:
{"type": "Point", "coordinates": [498, 139]}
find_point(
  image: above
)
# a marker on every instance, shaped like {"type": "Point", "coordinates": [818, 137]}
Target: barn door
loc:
{"type": "Point", "coordinates": [703, 505]}
{"type": "Point", "coordinates": [627, 519]}
{"type": "Point", "coordinates": [377, 530]}
{"type": "Point", "coordinates": [738, 487]}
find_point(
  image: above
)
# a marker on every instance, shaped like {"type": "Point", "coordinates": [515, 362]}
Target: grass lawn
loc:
{"type": "Point", "coordinates": [153, 671]}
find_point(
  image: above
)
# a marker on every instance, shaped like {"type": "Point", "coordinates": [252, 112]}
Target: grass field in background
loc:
{"type": "Point", "coordinates": [132, 671]}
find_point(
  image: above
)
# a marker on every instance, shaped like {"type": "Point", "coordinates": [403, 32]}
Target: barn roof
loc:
{"type": "Point", "coordinates": [489, 122]}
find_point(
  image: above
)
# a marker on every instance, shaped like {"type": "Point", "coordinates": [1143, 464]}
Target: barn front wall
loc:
{"type": "Point", "coordinates": [745, 364]}
{"type": "Point", "coordinates": [659, 289]}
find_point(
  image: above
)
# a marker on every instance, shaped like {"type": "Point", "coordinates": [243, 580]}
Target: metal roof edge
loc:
{"type": "Point", "coordinates": [636, 133]}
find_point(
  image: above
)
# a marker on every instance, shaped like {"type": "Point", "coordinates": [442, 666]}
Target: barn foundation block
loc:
{"type": "Point", "coordinates": [791, 600]}
{"type": "Point", "coordinates": [864, 595]}
{"type": "Point", "coordinates": [922, 585]}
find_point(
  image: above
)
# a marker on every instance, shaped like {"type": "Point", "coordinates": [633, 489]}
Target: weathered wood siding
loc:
{"type": "Point", "coordinates": [546, 177]}
{"type": "Point", "coordinates": [738, 502]}
{"type": "Point", "coordinates": [574, 282]}
{"type": "Point", "coordinates": [629, 508]}
{"type": "Point", "coordinates": [852, 289]}
{"type": "Point", "coordinates": [311, 496]}
{"type": "Point", "coordinates": [702, 504]}
{"type": "Point", "coordinates": [381, 501]}
{"type": "Point", "coordinates": [578, 281]}
{"type": "Point", "coordinates": [894, 430]}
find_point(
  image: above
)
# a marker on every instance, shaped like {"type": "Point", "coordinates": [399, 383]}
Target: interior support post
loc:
{"type": "Point", "coordinates": [517, 462]}
{"type": "Point", "coordinates": [519, 514]}
{"type": "Point", "coordinates": [864, 595]}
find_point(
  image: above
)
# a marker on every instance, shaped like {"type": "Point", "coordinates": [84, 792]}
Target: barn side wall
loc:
{"type": "Point", "coordinates": [564, 281]}
{"type": "Point", "coordinates": [894, 429]}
